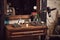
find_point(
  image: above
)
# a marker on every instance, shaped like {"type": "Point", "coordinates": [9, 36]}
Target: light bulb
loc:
{"type": "Point", "coordinates": [35, 7]}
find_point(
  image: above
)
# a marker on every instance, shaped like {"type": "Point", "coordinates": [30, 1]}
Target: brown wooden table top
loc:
{"type": "Point", "coordinates": [30, 27]}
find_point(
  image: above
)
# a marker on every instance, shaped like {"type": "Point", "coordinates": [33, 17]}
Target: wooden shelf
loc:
{"type": "Point", "coordinates": [19, 16]}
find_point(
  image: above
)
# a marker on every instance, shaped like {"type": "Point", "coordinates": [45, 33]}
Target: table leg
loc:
{"type": "Point", "coordinates": [43, 37]}
{"type": "Point", "coordinates": [39, 37]}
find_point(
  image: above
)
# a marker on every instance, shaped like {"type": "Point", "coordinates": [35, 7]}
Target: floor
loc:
{"type": "Point", "coordinates": [54, 38]}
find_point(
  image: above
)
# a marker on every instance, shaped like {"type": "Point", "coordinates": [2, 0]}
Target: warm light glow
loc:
{"type": "Point", "coordinates": [26, 25]}
{"type": "Point", "coordinates": [35, 7]}
{"type": "Point", "coordinates": [42, 22]}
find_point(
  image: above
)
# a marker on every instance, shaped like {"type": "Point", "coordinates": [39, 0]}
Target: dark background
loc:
{"type": "Point", "coordinates": [2, 26]}
{"type": "Point", "coordinates": [23, 7]}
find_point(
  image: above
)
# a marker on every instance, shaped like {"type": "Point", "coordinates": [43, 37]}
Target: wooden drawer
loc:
{"type": "Point", "coordinates": [27, 33]}
{"type": "Point", "coordinates": [18, 33]}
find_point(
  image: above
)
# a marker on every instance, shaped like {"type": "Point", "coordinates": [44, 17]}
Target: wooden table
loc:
{"type": "Point", "coordinates": [13, 33]}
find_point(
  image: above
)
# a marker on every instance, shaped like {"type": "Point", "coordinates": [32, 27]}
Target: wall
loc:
{"type": "Point", "coordinates": [51, 20]}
